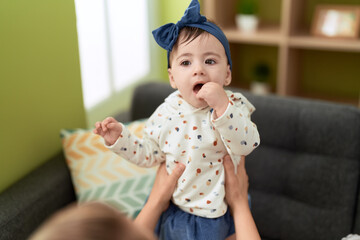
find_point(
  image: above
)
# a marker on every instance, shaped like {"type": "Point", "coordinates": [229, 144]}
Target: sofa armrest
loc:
{"type": "Point", "coordinates": [27, 203]}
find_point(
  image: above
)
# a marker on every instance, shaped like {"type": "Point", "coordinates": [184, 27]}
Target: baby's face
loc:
{"type": "Point", "coordinates": [196, 63]}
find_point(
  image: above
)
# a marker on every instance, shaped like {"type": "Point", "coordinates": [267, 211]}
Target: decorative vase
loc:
{"type": "Point", "coordinates": [247, 22]}
{"type": "Point", "coordinates": [259, 88]}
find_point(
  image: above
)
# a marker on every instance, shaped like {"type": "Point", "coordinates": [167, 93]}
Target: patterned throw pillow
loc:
{"type": "Point", "coordinates": [101, 175]}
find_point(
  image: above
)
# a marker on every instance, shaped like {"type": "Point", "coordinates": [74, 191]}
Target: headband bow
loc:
{"type": "Point", "coordinates": [167, 35]}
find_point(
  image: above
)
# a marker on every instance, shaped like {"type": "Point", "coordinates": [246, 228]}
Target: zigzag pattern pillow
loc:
{"type": "Point", "coordinates": [99, 174]}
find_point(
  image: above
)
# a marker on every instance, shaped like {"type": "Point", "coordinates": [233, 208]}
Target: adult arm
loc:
{"type": "Point", "coordinates": [159, 198]}
{"type": "Point", "coordinates": [236, 188]}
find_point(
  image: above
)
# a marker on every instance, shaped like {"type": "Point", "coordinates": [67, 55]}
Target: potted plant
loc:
{"type": "Point", "coordinates": [246, 17]}
{"type": "Point", "coordinates": [261, 74]}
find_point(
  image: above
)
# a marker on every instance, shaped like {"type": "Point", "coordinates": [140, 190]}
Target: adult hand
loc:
{"type": "Point", "coordinates": [164, 186]}
{"type": "Point", "coordinates": [159, 198]}
{"type": "Point", "coordinates": [236, 188]}
{"type": "Point", "coordinates": [236, 185]}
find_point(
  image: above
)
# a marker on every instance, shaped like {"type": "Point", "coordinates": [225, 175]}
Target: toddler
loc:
{"type": "Point", "coordinates": [196, 125]}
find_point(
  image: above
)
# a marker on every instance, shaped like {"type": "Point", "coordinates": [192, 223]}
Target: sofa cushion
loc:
{"type": "Point", "coordinates": [100, 175]}
{"type": "Point", "coordinates": [304, 175]}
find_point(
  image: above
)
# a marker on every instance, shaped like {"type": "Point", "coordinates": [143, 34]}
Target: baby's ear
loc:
{"type": "Point", "coordinates": [228, 76]}
{"type": "Point", "coordinates": [171, 79]}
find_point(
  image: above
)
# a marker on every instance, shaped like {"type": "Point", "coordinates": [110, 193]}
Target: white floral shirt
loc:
{"type": "Point", "coordinates": [178, 132]}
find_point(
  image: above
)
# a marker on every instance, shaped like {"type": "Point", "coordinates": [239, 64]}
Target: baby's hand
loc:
{"type": "Point", "coordinates": [215, 96]}
{"type": "Point", "coordinates": [109, 129]}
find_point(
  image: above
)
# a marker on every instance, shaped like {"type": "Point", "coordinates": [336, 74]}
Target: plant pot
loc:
{"type": "Point", "coordinates": [247, 23]}
{"type": "Point", "coordinates": [260, 88]}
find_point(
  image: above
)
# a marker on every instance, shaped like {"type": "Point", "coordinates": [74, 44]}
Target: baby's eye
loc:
{"type": "Point", "coordinates": [185, 63]}
{"type": "Point", "coordinates": [210, 61]}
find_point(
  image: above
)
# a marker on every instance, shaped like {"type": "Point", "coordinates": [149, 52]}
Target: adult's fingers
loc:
{"type": "Point", "coordinates": [241, 171]}
{"type": "Point", "coordinates": [228, 164]}
{"type": "Point", "coordinates": [177, 172]}
{"type": "Point", "coordinates": [162, 168]}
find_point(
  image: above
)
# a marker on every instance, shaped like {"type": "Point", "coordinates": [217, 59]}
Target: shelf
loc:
{"type": "Point", "coordinates": [269, 35]}
{"type": "Point", "coordinates": [273, 36]}
{"type": "Point", "coordinates": [310, 42]}
{"type": "Point", "coordinates": [290, 33]}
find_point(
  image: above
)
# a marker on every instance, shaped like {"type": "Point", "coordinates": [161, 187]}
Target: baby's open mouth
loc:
{"type": "Point", "coordinates": [197, 87]}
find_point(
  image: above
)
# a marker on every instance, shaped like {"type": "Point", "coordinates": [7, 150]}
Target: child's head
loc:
{"type": "Point", "coordinates": [89, 221]}
{"type": "Point", "coordinates": [167, 35]}
{"type": "Point", "coordinates": [198, 53]}
{"type": "Point", "coordinates": [197, 58]}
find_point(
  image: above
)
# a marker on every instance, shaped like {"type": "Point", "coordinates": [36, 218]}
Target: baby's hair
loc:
{"type": "Point", "coordinates": [190, 34]}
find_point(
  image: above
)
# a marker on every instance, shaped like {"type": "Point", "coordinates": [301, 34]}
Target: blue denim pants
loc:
{"type": "Point", "coordinates": [175, 224]}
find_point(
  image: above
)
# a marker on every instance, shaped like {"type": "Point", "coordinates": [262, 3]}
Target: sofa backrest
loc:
{"type": "Point", "coordinates": [304, 175]}
{"type": "Point", "coordinates": [147, 98]}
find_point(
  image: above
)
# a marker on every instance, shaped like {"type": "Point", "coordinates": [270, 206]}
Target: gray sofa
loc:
{"type": "Point", "coordinates": [304, 177]}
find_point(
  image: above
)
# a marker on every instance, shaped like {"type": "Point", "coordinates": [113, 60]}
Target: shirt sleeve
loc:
{"type": "Point", "coordinates": [238, 132]}
{"type": "Point", "coordinates": [144, 152]}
